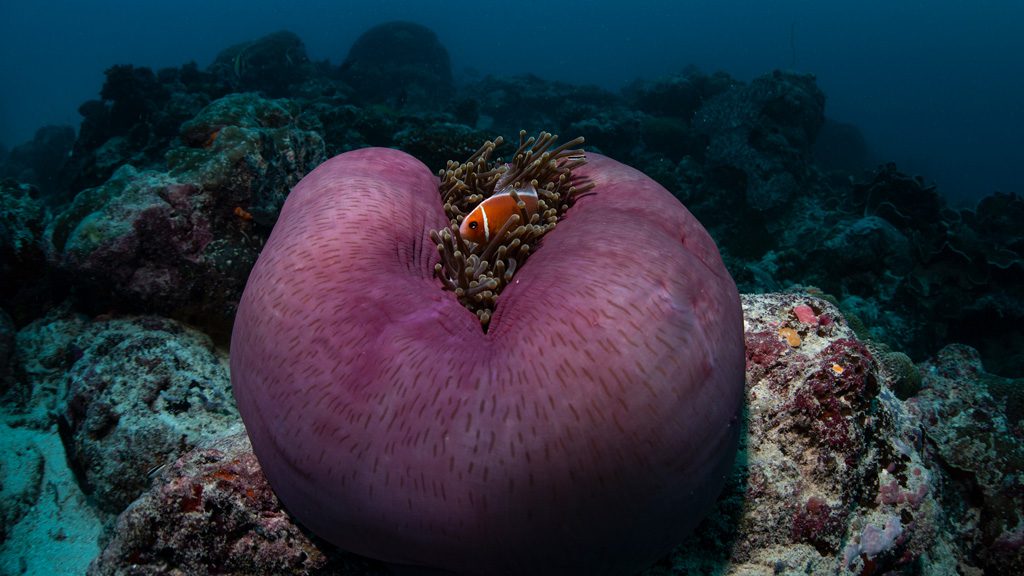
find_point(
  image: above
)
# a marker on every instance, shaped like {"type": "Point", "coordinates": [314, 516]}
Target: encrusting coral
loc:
{"type": "Point", "coordinates": [477, 272]}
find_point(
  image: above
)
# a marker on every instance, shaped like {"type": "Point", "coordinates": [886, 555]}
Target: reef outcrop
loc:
{"type": "Point", "coordinates": [835, 473]}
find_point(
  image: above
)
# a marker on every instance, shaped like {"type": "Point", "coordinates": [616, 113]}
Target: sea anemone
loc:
{"type": "Point", "coordinates": [477, 273]}
{"type": "Point", "coordinates": [587, 430]}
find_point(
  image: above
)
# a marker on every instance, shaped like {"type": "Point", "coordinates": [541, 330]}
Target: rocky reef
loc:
{"type": "Point", "coordinates": [836, 475]}
{"type": "Point", "coordinates": [883, 328]}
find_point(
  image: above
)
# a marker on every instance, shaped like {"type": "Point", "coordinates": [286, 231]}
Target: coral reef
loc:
{"type": "Point", "coordinates": [760, 137]}
{"type": "Point", "coordinates": [742, 156]}
{"type": "Point", "coordinates": [834, 471]}
{"type": "Point", "coordinates": [677, 95]}
{"type": "Point", "coordinates": [854, 459]}
{"type": "Point", "coordinates": [248, 152]}
{"type": "Point", "coordinates": [835, 475]}
{"type": "Point", "coordinates": [435, 143]}
{"type": "Point", "coordinates": [134, 122]}
{"type": "Point", "coordinates": [917, 272]}
{"type": "Point", "coordinates": [7, 342]}
{"type": "Point", "coordinates": [508, 105]}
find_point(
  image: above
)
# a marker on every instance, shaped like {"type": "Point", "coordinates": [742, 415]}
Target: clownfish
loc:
{"type": "Point", "coordinates": [490, 215]}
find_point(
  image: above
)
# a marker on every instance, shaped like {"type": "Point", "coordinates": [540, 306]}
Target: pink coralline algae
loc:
{"type": "Point", "coordinates": [805, 314]}
{"type": "Point", "coordinates": [842, 384]}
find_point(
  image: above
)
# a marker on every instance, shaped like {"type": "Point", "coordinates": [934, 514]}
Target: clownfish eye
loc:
{"type": "Point", "coordinates": [474, 225]}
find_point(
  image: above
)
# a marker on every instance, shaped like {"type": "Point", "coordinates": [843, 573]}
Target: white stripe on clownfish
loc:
{"type": "Point", "coordinates": [490, 215]}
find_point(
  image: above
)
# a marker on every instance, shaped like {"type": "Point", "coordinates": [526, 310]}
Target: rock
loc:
{"type": "Point", "coordinates": [181, 243]}
{"type": "Point", "coordinates": [142, 391]}
{"type": "Point", "coordinates": [212, 512]}
{"type": "Point", "coordinates": [139, 242]}
{"type": "Point", "coordinates": [973, 422]}
{"type": "Point", "coordinates": [25, 287]}
{"type": "Point", "coordinates": [41, 160]}
{"type": "Point", "coordinates": [273, 65]}
{"type": "Point", "coordinates": [831, 479]}
{"type": "Point", "coordinates": [44, 350]}
{"type": "Point", "coordinates": [401, 65]}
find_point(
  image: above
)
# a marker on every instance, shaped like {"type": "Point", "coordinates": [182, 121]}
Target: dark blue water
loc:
{"type": "Point", "coordinates": [935, 86]}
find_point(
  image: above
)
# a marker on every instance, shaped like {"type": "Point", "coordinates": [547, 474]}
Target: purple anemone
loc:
{"type": "Point", "coordinates": [587, 430]}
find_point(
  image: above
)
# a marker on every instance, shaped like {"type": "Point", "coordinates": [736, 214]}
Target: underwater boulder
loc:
{"type": "Point", "coordinates": [832, 479]}
{"type": "Point", "coordinates": [272, 64]}
{"type": "Point", "coordinates": [212, 512]}
{"type": "Point", "coordinates": [401, 65]}
{"type": "Point", "coordinates": [141, 241]}
{"type": "Point", "coordinates": [141, 392]}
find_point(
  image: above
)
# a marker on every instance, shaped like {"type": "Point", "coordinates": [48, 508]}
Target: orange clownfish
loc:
{"type": "Point", "coordinates": [490, 215]}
